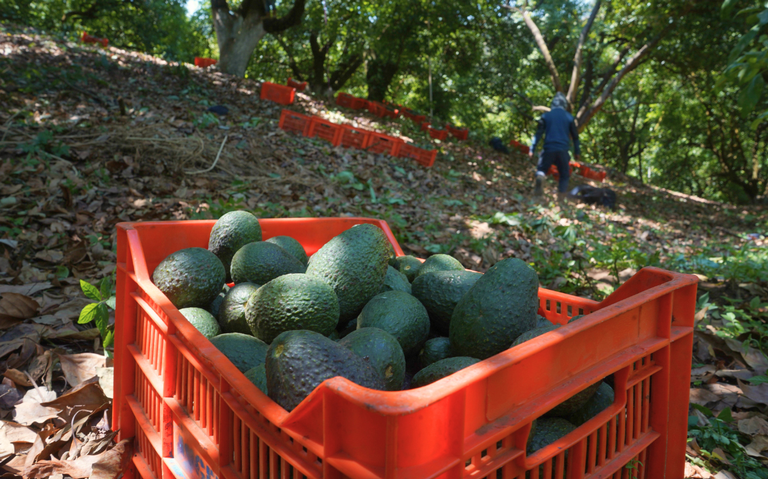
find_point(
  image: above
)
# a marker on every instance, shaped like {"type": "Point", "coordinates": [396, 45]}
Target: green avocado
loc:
{"type": "Point", "coordinates": [497, 309]}
{"type": "Point", "coordinates": [440, 292]}
{"type": "Point", "coordinates": [394, 280]}
{"type": "Point", "coordinates": [258, 376]}
{"type": "Point", "coordinates": [441, 369]}
{"type": "Point", "coordinates": [190, 277]}
{"type": "Point", "coordinates": [354, 264]}
{"type": "Point", "coordinates": [602, 399]}
{"type": "Point", "coordinates": [261, 262]}
{"type": "Point", "coordinates": [440, 262]}
{"type": "Point", "coordinates": [574, 403]}
{"type": "Point", "coordinates": [409, 266]}
{"type": "Point", "coordinates": [292, 246]}
{"type": "Point", "coordinates": [298, 361]}
{"type": "Point", "coordinates": [532, 333]}
{"type": "Point", "coordinates": [548, 430]}
{"type": "Point", "coordinates": [230, 233]}
{"type": "Point", "coordinates": [202, 320]}
{"type": "Point", "coordinates": [434, 350]}
{"type": "Point", "coordinates": [243, 350]}
{"type": "Point", "coordinates": [382, 350]}
{"type": "Point", "coordinates": [399, 314]}
{"type": "Point", "coordinates": [232, 311]}
{"type": "Point", "coordinates": [292, 301]}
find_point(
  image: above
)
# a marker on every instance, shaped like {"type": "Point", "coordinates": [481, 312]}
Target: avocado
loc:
{"type": "Point", "coordinates": [440, 291]}
{"type": "Point", "coordinates": [542, 321]}
{"type": "Point", "coordinates": [399, 314]}
{"type": "Point", "coordinates": [409, 266]}
{"type": "Point", "coordinates": [215, 305]}
{"type": "Point", "coordinates": [292, 301]}
{"type": "Point", "coordinates": [434, 350]}
{"type": "Point", "coordinates": [243, 350]}
{"type": "Point", "coordinates": [202, 320]}
{"type": "Point", "coordinates": [382, 350]}
{"type": "Point", "coordinates": [394, 280]}
{"type": "Point", "coordinates": [548, 430]}
{"type": "Point", "coordinates": [440, 262]}
{"type": "Point", "coordinates": [354, 264]}
{"type": "Point", "coordinates": [532, 333]}
{"type": "Point", "coordinates": [190, 277]}
{"type": "Point", "coordinates": [261, 262]}
{"type": "Point", "coordinates": [602, 399]}
{"type": "Point", "coordinates": [258, 376]}
{"type": "Point", "coordinates": [232, 312]}
{"type": "Point", "coordinates": [298, 361]}
{"type": "Point", "coordinates": [497, 309]}
{"type": "Point", "coordinates": [441, 369]}
{"type": "Point", "coordinates": [575, 318]}
{"type": "Point", "coordinates": [292, 246]}
{"type": "Point", "coordinates": [574, 403]}
{"type": "Point", "coordinates": [230, 233]}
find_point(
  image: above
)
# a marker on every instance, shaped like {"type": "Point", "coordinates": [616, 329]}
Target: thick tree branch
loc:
{"type": "Point", "coordinates": [571, 96]}
{"type": "Point", "coordinates": [292, 18]}
{"type": "Point", "coordinates": [542, 46]}
{"type": "Point", "coordinates": [607, 76]}
{"type": "Point", "coordinates": [291, 59]}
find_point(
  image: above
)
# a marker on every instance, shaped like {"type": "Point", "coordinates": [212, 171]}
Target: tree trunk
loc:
{"type": "Point", "coordinates": [543, 49]}
{"type": "Point", "coordinates": [378, 77]}
{"type": "Point", "coordinates": [571, 96]}
{"type": "Point", "coordinates": [238, 32]}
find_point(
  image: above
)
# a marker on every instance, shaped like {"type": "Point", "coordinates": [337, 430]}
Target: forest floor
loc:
{"type": "Point", "coordinates": [92, 137]}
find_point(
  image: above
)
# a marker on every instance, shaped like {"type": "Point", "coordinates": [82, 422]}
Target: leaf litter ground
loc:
{"type": "Point", "coordinates": [93, 137]}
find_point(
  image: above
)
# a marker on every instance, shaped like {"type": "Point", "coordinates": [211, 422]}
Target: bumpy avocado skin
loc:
{"type": "Point", "coordinates": [602, 399]}
{"type": "Point", "coordinates": [190, 277]}
{"type": "Point", "coordinates": [354, 264]}
{"type": "Point", "coordinates": [230, 233]}
{"type": "Point", "coordinates": [258, 376]}
{"type": "Point", "coordinates": [261, 262]}
{"type": "Point", "coordinates": [548, 430]}
{"type": "Point", "coordinates": [440, 292]}
{"type": "Point", "coordinates": [434, 350]}
{"type": "Point", "coordinates": [440, 262]}
{"type": "Point", "coordinates": [399, 314]}
{"type": "Point", "coordinates": [394, 280]}
{"type": "Point", "coordinates": [409, 266]}
{"type": "Point", "coordinates": [441, 369]}
{"type": "Point", "coordinates": [574, 403]}
{"type": "Point", "coordinates": [382, 350]}
{"type": "Point", "coordinates": [292, 301]}
{"type": "Point", "coordinates": [535, 332]}
{"type": "Point", "coordinates": [497, 309]}
{"type": "Point", "coordinates": [298, 361]}
{"type": "Point", "coordinates": [232, 310]}
{"type": "Point", "coordinates": [202, 320]}
{"type": "Point", "coordinates": [292, 246]}
{"type": "Point", "coordinates": [243, 350]}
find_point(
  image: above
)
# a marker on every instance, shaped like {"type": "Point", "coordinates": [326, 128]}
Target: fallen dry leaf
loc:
{"type": "Point", "coordinates": [724, 475]}
{"type": "Point", "coordinates": [87, 395]}
{"type": "Point", "coordinates": [26, 289]}
{"type": "Point", "coordinates": [18, 377]}
{"type": "Point", "coordinates": [702, 397]}
{"type": "Point", "coordinates": [757, 393]}
{"type": "Point", "coordinates": [12, 433]}
{"type": "Point", "coordinates": [757, 446]}
{"type": "Point", "coordinates": [31, 411]}
{"type": "Point", "coordinates": [107, 465]}
{"type": "Point", "coordinates": [80, 367]}
{"type": "Point", "coordinates": [754, 426]}
{"type": "Point", "coordinates": [14, 306]}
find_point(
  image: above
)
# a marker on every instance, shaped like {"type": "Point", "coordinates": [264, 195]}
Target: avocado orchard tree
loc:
{"type": "Point", "coordinates": [329, 47]}
{"type": "Point", "coordinates": [239, 30]}
{"type": "Point", "coordinates": [629, 33]}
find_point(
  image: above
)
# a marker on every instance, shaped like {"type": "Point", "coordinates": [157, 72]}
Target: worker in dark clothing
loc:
{"type": "Point", "coordinates": [559, 130]}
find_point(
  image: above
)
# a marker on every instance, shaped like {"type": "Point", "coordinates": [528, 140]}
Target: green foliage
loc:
{"type": "Point", "coordinates": [714, 432]}
{"type": "Point", "coordinates": [98, 312]}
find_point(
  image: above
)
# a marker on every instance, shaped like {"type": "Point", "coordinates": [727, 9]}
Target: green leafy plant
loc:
{"type": "Point", "coordinates": [98, 312]}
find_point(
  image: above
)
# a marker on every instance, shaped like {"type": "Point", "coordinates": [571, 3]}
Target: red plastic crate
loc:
{"type": "Point", "coordinates": [326, 130]}
{"type": "Point", "coordinates": [425, 157]}
{"type": "Point", "coordinates": [300, 86]}
{"type": "Point", "coordinates": [458, 133]}
{"type": "Point", "coordinates": [281, 94]}
{"type": "Point", "coordinates": [419, 119]}
{"type": "Point", "coordinates": [425, 126]}
{"type": "Point", "coordinates": [437, 134]}
{"type": "Point", "coordinates": [296, 122]}
{"type": "Point", "coordinates": [381, 143]}
{"type": "Point", "coordinates": [593, 175]}
{"type": "Point", "coordinates": [204, 62]}
{"type": "Point", "coordinates": [193, 414]}
{"type": "Point", "coordinates": [352, 137]}
{"type": "Point", "coordinates": [85, 38]}
{"type": "Point", "coordinates": [376, 108]}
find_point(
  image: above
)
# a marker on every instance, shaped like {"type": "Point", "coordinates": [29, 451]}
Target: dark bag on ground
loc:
{"type": "Point", "coordinates": [595, 196]}
{"type": "Point", "coordinates": [497, 145]}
